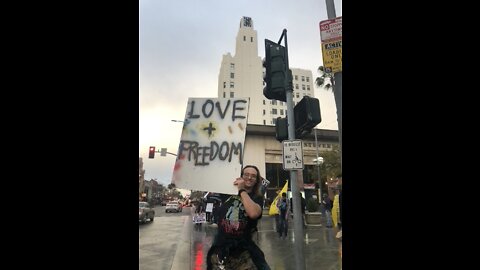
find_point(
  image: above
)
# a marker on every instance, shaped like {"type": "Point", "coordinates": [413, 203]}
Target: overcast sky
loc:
{"type": "Point", "coordinates": [181, 49]}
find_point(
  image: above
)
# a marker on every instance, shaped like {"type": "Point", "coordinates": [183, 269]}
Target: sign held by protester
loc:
{"type": "Point", "coordinates": [211, 150]}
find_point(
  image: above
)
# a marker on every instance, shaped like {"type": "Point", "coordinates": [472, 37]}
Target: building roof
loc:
{"type": "Point", "coordinates": [322, 134]}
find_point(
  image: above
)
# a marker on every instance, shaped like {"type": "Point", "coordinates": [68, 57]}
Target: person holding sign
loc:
{"type": "Point", "coordinates": [233, 247]}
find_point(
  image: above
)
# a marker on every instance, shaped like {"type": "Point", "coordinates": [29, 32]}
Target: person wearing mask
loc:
{"type": "Point", "coordinates": [233, 246]}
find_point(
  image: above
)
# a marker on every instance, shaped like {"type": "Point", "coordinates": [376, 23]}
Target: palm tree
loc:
{"type": "Point", "coordinates": [327, 82]}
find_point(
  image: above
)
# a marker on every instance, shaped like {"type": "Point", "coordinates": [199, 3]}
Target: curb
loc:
{"type": "Point", "coordinates": [180, 261]}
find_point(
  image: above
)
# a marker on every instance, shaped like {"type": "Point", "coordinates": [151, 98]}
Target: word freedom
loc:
{"type": "Point", "coordinates": [203, 155]}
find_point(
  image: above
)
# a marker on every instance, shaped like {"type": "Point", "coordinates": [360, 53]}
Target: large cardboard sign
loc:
{"type": "Point", "coordinates": [211, 150]}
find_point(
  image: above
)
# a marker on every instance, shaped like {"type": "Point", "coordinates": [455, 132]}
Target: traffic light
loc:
{"type": "Point", "coordinates": [281, 129]}
{"type": "Point", "coordinates": [163, 152]}
{"type": "Point", "coordinates": [151, 152]}
{"type": "Point", "coordinates": [277, 76]}
{"type": "Point", "coordinates": [307, 116]}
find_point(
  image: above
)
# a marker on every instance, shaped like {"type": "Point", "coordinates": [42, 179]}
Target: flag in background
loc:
{"type": "Point", "coordinates": [273, 207]}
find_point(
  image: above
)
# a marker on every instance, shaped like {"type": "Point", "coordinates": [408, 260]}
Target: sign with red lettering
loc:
{"type": "Point", "coordinates": [331, 29]}
{"type": "Point", "coordinates": [331, 39]}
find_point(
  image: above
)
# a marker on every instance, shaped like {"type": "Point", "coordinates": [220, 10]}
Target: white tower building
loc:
{"type": "Point", "coordinates": [242, 76]}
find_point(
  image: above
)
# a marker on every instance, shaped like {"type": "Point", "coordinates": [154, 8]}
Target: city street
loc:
{"type": "Point", "coordinates": [172, 243]}
{"type": "Point", "coordinates": [158, 240]}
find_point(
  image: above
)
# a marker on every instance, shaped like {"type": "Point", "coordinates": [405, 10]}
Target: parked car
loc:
{"type": "Point", "coordinates": [145, 211]}
{"type": "Point", "coordinates": [173, 207]}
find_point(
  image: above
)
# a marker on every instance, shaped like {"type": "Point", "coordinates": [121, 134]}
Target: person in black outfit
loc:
{"type": "Point", "coordinates": [237, 220]}
{"type": "Point", "coordinates": [283, 214]}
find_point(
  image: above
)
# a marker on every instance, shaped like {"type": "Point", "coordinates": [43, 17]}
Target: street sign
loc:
{"type": "Point", "coordinates": [331, 37]}
{"type": "Point", "coordinates": [292, 155]}
{"type": "Point", "coordinates": [331, 29]}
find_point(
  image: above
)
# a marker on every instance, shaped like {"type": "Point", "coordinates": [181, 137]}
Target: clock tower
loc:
{"type": "Point", "coordinates": [247, 43]}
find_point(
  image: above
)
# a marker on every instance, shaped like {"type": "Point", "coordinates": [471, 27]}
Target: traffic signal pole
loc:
{"type": "Point", "coordinates": [297, 211]}
{"type": "Point", "coordinates": [337, 83]}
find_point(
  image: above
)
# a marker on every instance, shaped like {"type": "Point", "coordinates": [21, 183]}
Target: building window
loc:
{"type": "Point", "coordinates": [223, 94]}
{"type": "Point", "coordinates": [263, 112]}
{"type": "Point", "coordinates": [274, 121]}
{"type": "Point", "coordinates": [296, 86]}
{"type": "Point", "coordinates": [224, 84]}
{"type": "Point", "coordinates": [296, 95]}
{"type": "Point", "coordinates": [296, 77]}
{"type": "Point", "coordinates": [231, 85]}
{"type": "Point", "coordinates": [303, 78]}
{"type": "Point", "coordinates": [274, 111]}
{"type": "Point", "coordinates": [308, 87]}
{"type": "Point", "coordinates": [244, 38]}
{"type": "Point", "coordinates": [232, 75]}
{"type": "Point", "coordinates": [231, 95]}
{"type": "Point", "coordinates": [264, 122]}
{"type": "Point", "coordinates": [251, 39]}
{"type": "Point", "coordinates": [281, 111]}
{"type": "Point", "coordinates": [232, 66]}
{"type": "Point", "coordinates": [308, 79]}
{"type": "Point", "coordinates": [303, 86]}
{"type": "Point", "coordinates": [274, 102]}
{"type": "Point", "coordinates": [264, 102]}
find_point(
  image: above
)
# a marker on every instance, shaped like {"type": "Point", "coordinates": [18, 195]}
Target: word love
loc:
{"type": "Point", "coordinates": [208, 108]}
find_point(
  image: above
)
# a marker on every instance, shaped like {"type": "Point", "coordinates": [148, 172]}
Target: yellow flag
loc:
{"type": "Point", "coordinates": [273, 207]}
{"type": "Point", "coordinates": [335, 210]}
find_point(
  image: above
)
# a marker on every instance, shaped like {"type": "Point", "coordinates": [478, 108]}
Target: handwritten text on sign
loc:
{"type": "Point", "coordinates": [210, 153]}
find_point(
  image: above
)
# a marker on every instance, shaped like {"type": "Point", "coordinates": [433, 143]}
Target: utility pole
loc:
{"type": "Point", "coordinates": [318, 163]}
{"type": "Point", "coordinates": [337, 83]}
{"type": "Point", "coordinates": [297, 211]}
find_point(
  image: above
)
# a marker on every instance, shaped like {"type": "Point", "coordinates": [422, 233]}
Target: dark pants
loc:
{"type": "Point", "coordinates": [224, 247]}
{"type": "Point", "coordinates": [283, 226]}
{"type": "Point", "coordinates": [277, 223]}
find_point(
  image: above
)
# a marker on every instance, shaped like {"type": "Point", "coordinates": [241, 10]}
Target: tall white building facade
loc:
{"type": "Point", "coordinates": [242, 76]}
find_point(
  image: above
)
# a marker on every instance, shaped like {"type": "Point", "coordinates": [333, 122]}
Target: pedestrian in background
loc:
{"type": "Point", "coordinates": [283, 206]}
{"type": "Point", "coordinates": [334, 194]}
{"type": "Point", "coordinates": [328, 210]}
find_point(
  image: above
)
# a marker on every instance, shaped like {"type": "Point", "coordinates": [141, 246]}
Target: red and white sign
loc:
{"type": "Point", "coordinates": [308, 186]}
{"type": "Point", "coordinates": [331, 29]}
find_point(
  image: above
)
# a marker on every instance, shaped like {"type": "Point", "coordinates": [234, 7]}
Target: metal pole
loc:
{"type": "Point", "coordinates": [297, 216]}
{"type": "Point", "coordinates": [330, 9]}
{"type": "Point", "coordinates": [318, 171]}
{"type": "Point", "coordinates": [337, 83]}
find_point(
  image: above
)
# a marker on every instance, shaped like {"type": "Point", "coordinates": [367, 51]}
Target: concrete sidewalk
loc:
{"type": "Point", "coordinates": [322, 251]}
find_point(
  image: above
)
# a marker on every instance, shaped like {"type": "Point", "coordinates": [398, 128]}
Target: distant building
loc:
{"type": "Point", "coordinates": [241, 75]}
